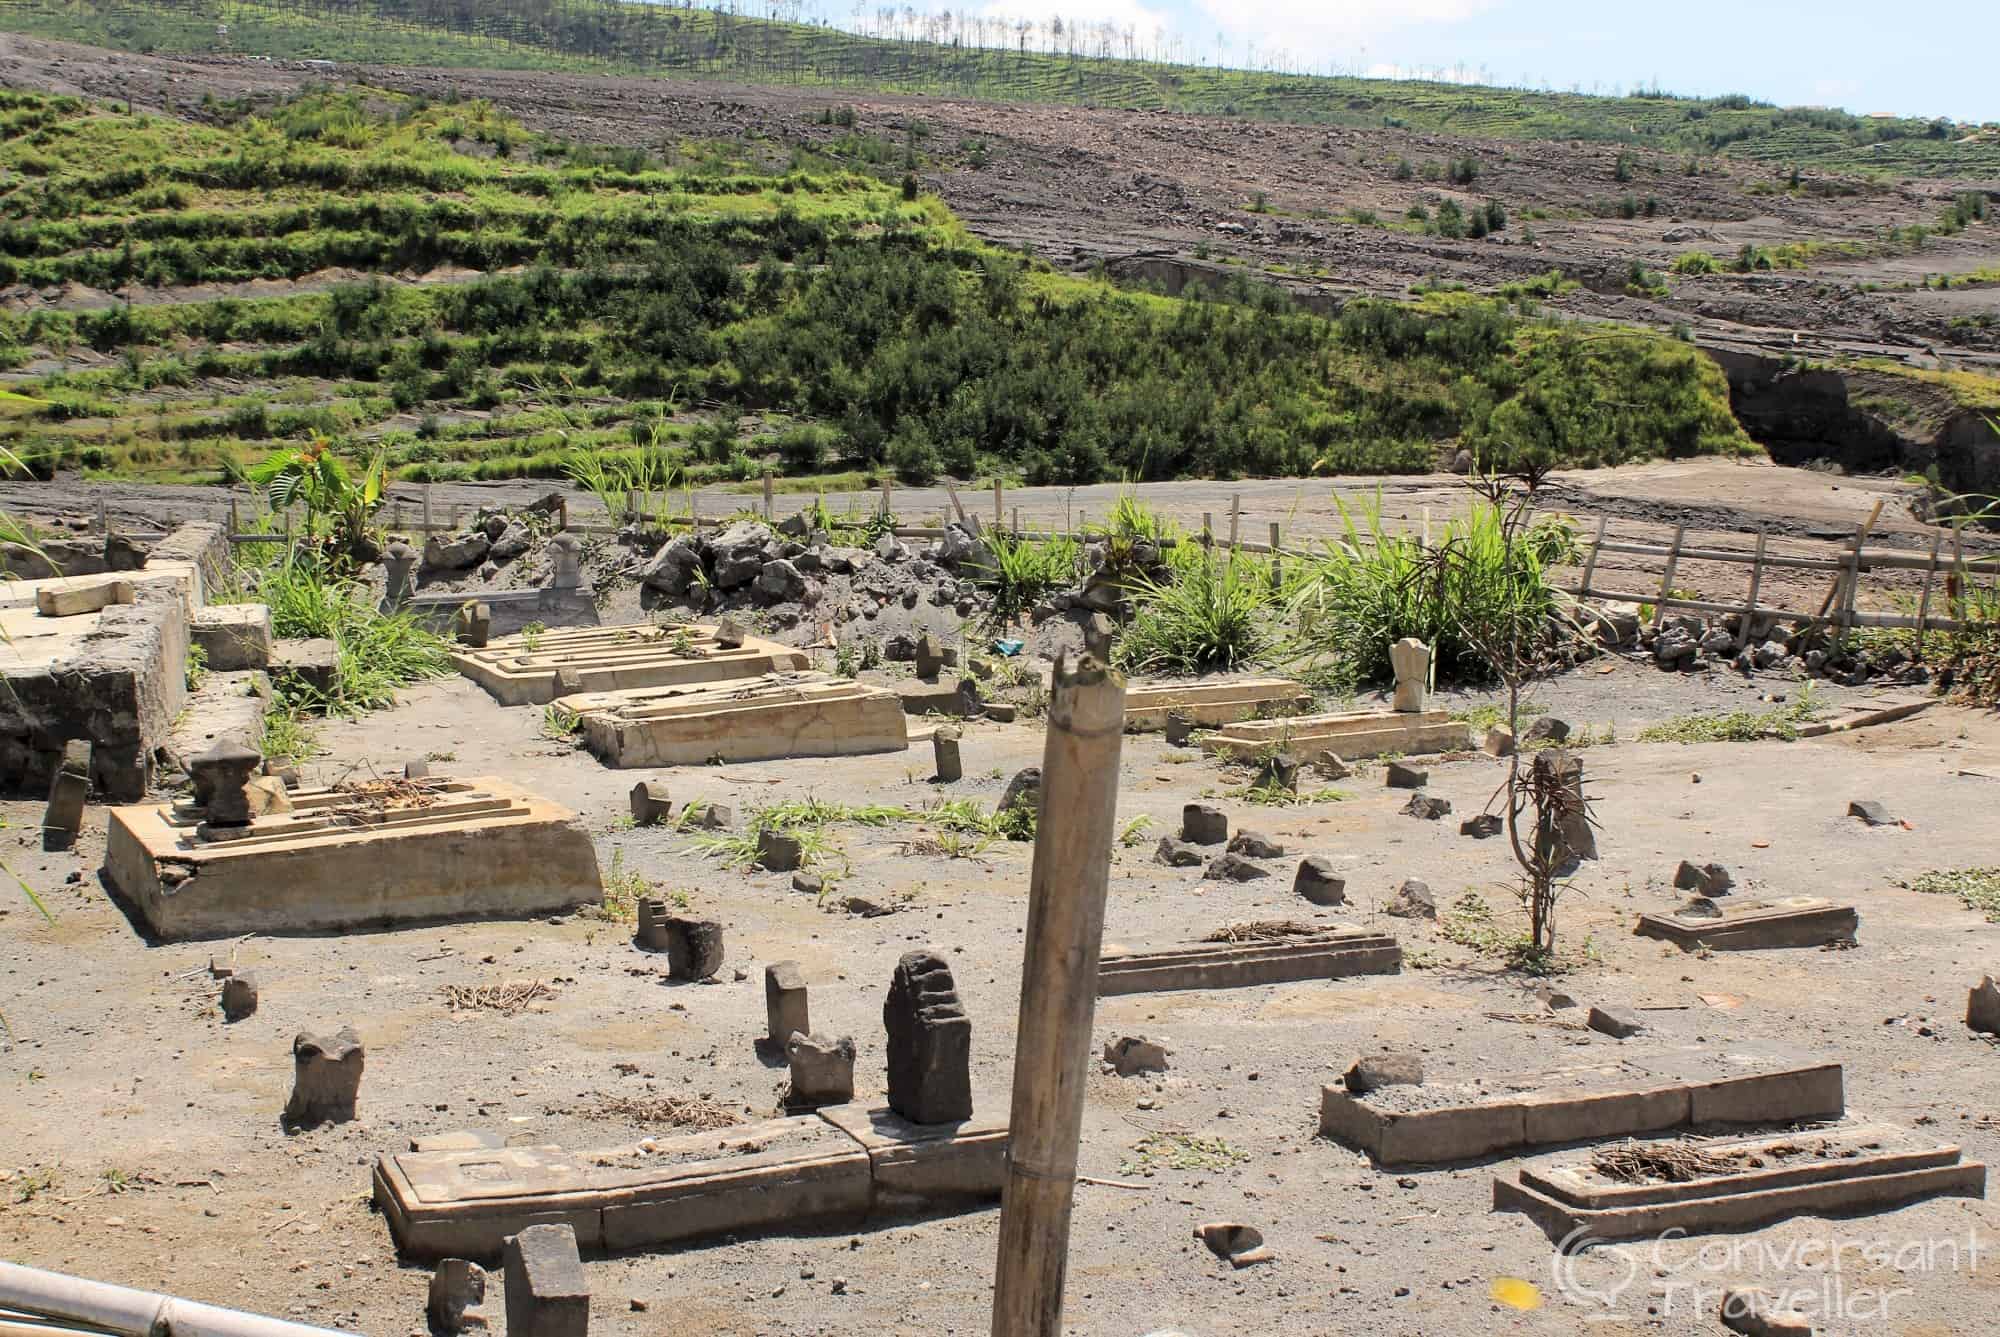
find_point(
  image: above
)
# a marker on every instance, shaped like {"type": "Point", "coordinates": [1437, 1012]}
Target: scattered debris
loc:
{"type": "Point", "coordinates": [506, 999]}
{"type": "Point", "coordinates": [1241, 1245]}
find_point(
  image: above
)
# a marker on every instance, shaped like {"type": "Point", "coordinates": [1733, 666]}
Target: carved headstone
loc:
{"type": "Point", "coordinates": [650, 803]}
{"type": "Point", "coordinates": [1573, 837]}
{"type": "Point", "coordinates": [565, 562]}
{"type": "Point", "coordinates": [219, 776]}
{"type": "Point", "coordinates": [930, 1042]}
{"type": "Point", "coordinates": [822, 1070]}
{"type": "Point", "coordinates": [785, 1005]}
{"type": "Point", "coordinates": [472, 625]}
{"type": "Point", "coordinates": [326, 1078]}
{"type": "Point", "coordinates": [62, 820]}
{"type": "Point", "coordinates": [944, 744]}
{"type": "Point", "coordinates": [399, 560]}
{"type": "Point", "coordinates": [1411, 660]}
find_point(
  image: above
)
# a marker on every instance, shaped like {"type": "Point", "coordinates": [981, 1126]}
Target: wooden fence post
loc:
{"type": "Point", "coordinates": [427, 510]}
{"type": "Point", "coordinates": [1235, 515]}
{"type": "Point", "coordinates": [1207, 530]}
{"type": "Point", "coordinates": [1667, 579]}
{"type": "Point", "coordinates": [235, 525]}
{"type": "Point", "coordinates": [1590, 562]}
{"type": "Point", "coordinates": [1756, 583]}
{"type": "Point", "coordinates": [1277, 558]}
{"type": "Point", "coordinates": [1072, 868]}
{"type": "Point", "coordinates": [999, 505]}
{"type": "Point", "coordinates": [885, 499]}
{"type": "Point", "coordinates": [1017, 522]}
{"type": "Point", "coordinates": [769, 501]}
{"type": "Point", "coordinates": [1924, 604]}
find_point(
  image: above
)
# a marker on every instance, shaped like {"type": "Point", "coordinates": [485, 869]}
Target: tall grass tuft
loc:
{"type": "Point", "coordinates": [378, 652]}
{"type": "Point", "coordinates": [1022, 571]}
{"type": "Point", "coordinates": [1212, 613]}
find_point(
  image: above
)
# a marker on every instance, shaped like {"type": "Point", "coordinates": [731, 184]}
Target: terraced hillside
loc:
{"type": "Point", "coordinates": [434, 282]}
{"type": "Point", "coordinates": [657, 39]}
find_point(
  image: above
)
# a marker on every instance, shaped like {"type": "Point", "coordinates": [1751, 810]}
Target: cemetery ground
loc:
{"type": "Point", "coordinates": [143, 1142]}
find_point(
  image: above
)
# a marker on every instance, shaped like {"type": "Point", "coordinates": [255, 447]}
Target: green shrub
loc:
{"type": "Point", "coordinates": [1212, 614]}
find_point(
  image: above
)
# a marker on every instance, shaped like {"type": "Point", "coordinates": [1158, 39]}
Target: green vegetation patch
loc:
{"type": "Point", "coordinates": [1978, 888]}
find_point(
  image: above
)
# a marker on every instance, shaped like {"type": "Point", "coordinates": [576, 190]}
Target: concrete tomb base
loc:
{"type": "Point", "coordinates": [1207, 704]}
{"type": "Point", "coordinates": [1731, 926]}
{"type": "Point", "coordinates": [840, 1163]}
{"type": "Point", "coordinates": [1670, 1089]}
{"type": "Point", "coordinates": [1839, 1170]}
{"type": "Point", "coordinates": [1368, 733]}
{"type": "Point", "coordinates": [1339, 951]}
{"type": "Point", "coordinates": [344, 858]}
{"type": "Point", "coordinates": [762, 719]}
{"type": "Point", "coordinates": [610, 659]}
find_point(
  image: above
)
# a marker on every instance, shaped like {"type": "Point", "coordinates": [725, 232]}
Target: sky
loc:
{"type": "Point", "coordinates": [1941, 58]}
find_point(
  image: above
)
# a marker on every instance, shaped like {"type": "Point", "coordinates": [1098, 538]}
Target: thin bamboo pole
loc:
{"type": "Point", "coordinates": [1924, 604]}
{"type": "Point", "coordinates": [1667, 578]}
{"type": "Point", "coordinates": [1756, 582]}
{"type": "Point", "coordinates": [1235, 517]}
{"type": "Point", "coordinates": [770, 501]}
{"type": "Point", "coordinates": [999, 506]}
{"type": "Point", "coordinates": [1072, 869]}
{"type": "Point", "coordinates": [1590, 562]}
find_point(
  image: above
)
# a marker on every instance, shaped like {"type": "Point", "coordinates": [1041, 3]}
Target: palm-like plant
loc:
{"type": "Point", "coordinates": [338, 505]}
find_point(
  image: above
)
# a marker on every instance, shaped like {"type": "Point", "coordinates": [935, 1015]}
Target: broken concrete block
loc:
{"type": "Point", "coordinates": [822, 1070]}
{"type": "Point", "coordinates": [1280, 771]}
{"type": "Point", "coordinates": [1576, 840]}
{"type": "Point", "coordinates": [810, 884]}
{"type": "Point", "coordinates": [326, 1078]}
{"type": "Point", "coordinates": [1413, 900]}
{"type": "Point", "coordinates": [1241, 1245]}
{"type": "Point", "coordinates": [1179, 729]}
{"type": "Point", "coordinates": [1754, 1313]}
{"type": "Point", "coordinates": [1615, 1022]}
{"type": "Point", "coordinates": [1319, 883]}
{"type": "Point", "coordinates": [1025, 789]}
{"type": "Point", "coordinates": [239, 997]}
{"type": "Point", "coordinates": [930, 657]}
{"type": "Point", "coordinates": [650, 803]}
{"type": "Point", "coordinates": [458, 1288]}
{"type": "Point", "coordinates": [785, 1004]}
{"type": "Point", "coordinates": [1130, 1056]}
{"type": "Point", "coordinates": [1204, 824]}
{"type": "Point", "coordinates": [930, 1042]}
{"type": "Point", "coordinates": [69, 789]}
{"type": "Point", "coordinates": [729, 633]}
{"type": "Point", "coordinates": [74, 597]}
{"type": "Point", "coordinates": [1427, 807]}
{"type": "Point", "coordinates": [472, 625]}
{"type": "Point", "coordinates": [1000, 712]}
{"type": "Point", "coordinates": [219, 776]}
{"type": "Point", "coordinates": [779, 851]}
{"type": "Point", "coordinates": [1982, 1007]}
{"type": "Point", "coordinates": [1483, 827]}
{"type": "Point", "coordinates": [1177, 853]}
{"type": "Point", "coordinates": [1255, 845]}
{"type": "Point", "coordinates": [417, 769]}
{"type": "Point", "coordinates": [1709, 879]}
{"type": "Point", "coordinates": [1380, 1070]}
{"type": "Point", "coordinates": [1871, 812]}
{"type": "Point", "coordinates": [234, 637]}
{"type": "Point", "coordinates": [1410, 659]}
{"type": "Point", "coordinates": [311, 665]}
{"type": "Point", "coordinates": [266, 795]}
{"type": "Point", "coordinates": [1547, 729]}
{"type": "Point", "coordinates": [1234, 868]}
{"type": "Point", "coordinates": [1399, 776]}
{"type": "Point", "coordinates": [944, 749]}
{"type": "Point", "coordinates": [546, 1292]}
{"type": "Point", "coordinates": [694, 948]}
{"type": "Point", "coordinates": [1499, 741]}
{"type": "Point", "coordinates": [713, 816]}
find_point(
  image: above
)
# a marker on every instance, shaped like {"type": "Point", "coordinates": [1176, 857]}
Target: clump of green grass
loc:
{"type": "Point", "coordinates": [1023, 572]}
{"type": "Point", "coordinates": [1275, 795]}
{"type": "Point", "coordinates": [1977, 888]}
{"type": "Point", "coordinates": [1181, 1151]}
{"type": "Point", "coordinates": [1211, 614]}
{"type": "Point", "coordinates": [1735, 726]}
{"type": "Point", "coordinates": [378, 652]}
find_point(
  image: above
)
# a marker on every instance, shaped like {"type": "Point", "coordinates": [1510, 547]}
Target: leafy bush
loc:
{"type": "Point", "coordinates": [1023, 571]}
{"type": "Point", "coordinates": [1213, 614]}
{"type": "Point", "coordinates": [1696, 262]}
{"type": "Point", "coordinates": [377, 653]}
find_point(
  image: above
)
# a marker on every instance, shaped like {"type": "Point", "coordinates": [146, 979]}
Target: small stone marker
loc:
{"type": "Point", "coordinates": [1098, 631]}
{"type": "Point", "coordinates": [1204, 824]}
{"type": "Point", "coordinates": [1024, 788]}
{"type": "Point", "coordinates": [239, 997]}
{"type": "Point", "coordinates": [1129, 1056]}
{"type": "Point", "coordinates": [1234, 868]}
{"type": "Point", "coordinates": [75, 599]}
{"type": "Point", "coordinates": [812, 884]}
{"type": "Point", "coordinates": [1380, 1070]}
{"type": "Point", "coordinates": [1319, 883]}
{"type": "Point", "coordinates": [1399, 776]}
{"type": "Point", "coordinates": [569, 682]}
{"type": "Point", "coordinates": [930, 1042]}
{"type": "Point", "coordinates": [69, 789]}
{"type": "Point", "coordinates": [1615, 1022]}
{"type": "Point", "coordinates": [1255, 845]}
{"type": "Point", "coordinates": [1410, 658]}
{"type": "Point", "coordinates": [1982, 1007]}
{"type": "Point", "coordinates": [1709, 879]}
{"type": "Point", "coordinates": [944, 749]}
{"type": "Point", "coordinates": [1241, 1245]}
{"type": "Point", "coordinates": [1500, 741]}
{"type": "Point", "coordinates": [729, 633]}
{"type": "Point", "coordinates": [546, 1292]}
{"type": "Point", "coordinates": [1413, 900]}
{"type": "Point", "coordinates": [1000, 712]}
{"type": "Point", "coordinates": [930, 658]}
{"type": "Point", "coordinates": [1280, 770]}
{"type": "Point", "coordinates": [822, 1070]}
{"type": "Point", "coordinates": [1180, 729]}
{"type": "Point", "coordinates": [1547, 729]}
{"type": "Point", "coordinates": [266, 795]}
{"type": "Point", "coordinates": [779, 851]}
{"type": "Point", "coordinates": [714, 816]}
{"type": "Point", "coordinates": [219, 776]}
{"type": "Point", "coordinates": [473, 625]}
{"type": "Point", "coordinates": [694, 948]}
{"type": "Point", "coordinates": [1483, 827]}
{"type": "Point", "coordinates": [458, 1288]}
{"type": "Point", "coordinates": [1177, 853]}
{"type": "Point", "coordinates": [399, 559]}
{"type": "Point", "coordinates": [416, 770]}
{"type": "Point", "coordinates": [785, 1007]}
{"type": "Point", "coordinates": [1754, 1313]}
{"type": "Point", "coordinates": [1871, 812]}
{"type": "Point", "coordinates": [326, 1078]}
{"type": "Point", "coordinates": [1576, 840]}
{"type": "Point", "coordinates": [1427, 807]}
{"type": "Point", "coordinates": [650, 803]}
{"type": "Point", "coordinates": [565, 562]}
{"type": "Point", "coordinates": [1331, 766]}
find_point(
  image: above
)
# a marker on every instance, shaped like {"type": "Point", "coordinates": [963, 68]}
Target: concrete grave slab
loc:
{"type": "Point", "coordinates": [1844, 1169]}
{"type": "Point", "coordinates": [226, 705]}
{"type": "Point", "coordinates": [71, 596]}
{"type": "Point", "coordinates": [1206, 704]}
{"type": "Point", "coordinates": [1341, 950]}
{"type": "Point", "coordinates": [1789, 921]}
{"type": "Point", "coordinates": [344, 858]}
{"type": "Point", "coordinates": [234, 637]}
{"type": "Point", "coordinates": [837, 1164]}
{"type": "Point", "coordinates": [609, 659]}
{"type": "Point", "coordinates": [1349, 736]}
{"type": "Point", "coordinates": [761, 719]}
{"type": "Point", "coordinates": [1458, 1120]}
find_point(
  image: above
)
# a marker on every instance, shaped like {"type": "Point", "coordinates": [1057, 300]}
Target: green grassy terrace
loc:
{"type": "Point", "coordinates": [474, 301]}
{"type": "Point", "coordinates": [663, 40]}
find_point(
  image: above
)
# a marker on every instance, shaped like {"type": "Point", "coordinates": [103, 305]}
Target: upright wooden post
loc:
{"type": "Point", "coordinates": [103, 517]}
{"type": "Point", "coordinates": [958, 507]}
{"type": "Point", "coordinates": [1853, 571]}
{"type": "Point", "coordinates": [1924, 604]}
{"type": "Point", "coordinates": [1207, 530]}
{"type": "Point", "coordinates": [1590, 562]}
{"type": "Point", "coordinates": [427, 510]}
{"type": "Point", "coordinates": [1235, 516]}
{"type": "Point", "coordinates": [562, 514]}
{"type": "Point", "coordinates": [1756, 582]}
{"type": "Point", "coordinates": [235, 524]}
{"type": "Point", "coordinates": [1072, 868]}
{"type": "Point", "coordinates": [769, 501]}
{"type": "Point", "coordinates": [1667, 580]}
{"type": "Point", "coordinates": [1277, 558]}
{"type": "Point", "coordinates": [1955, 579]}
{"type": "Point", "coordinates": [999, 505]}
{"type": "Point", "coordinates": [1017, 522]}
{"type": "Point", "coordinates": [885, 498]}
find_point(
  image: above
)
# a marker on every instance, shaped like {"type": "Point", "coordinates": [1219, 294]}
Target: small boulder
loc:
{"type": "Point", "coordinates": [1871, 812]}
{"type": "Point", "coordinates": [1546, 729]}
{"type": "Point", "coordinates": [1234, 868]}
{"type": "Point", "coordinates": [1129, 1056]}
{"type": "Point", "coordinates": [1615, 1022]}
{"type": "Point", "coordinates": [822, 1070]}
{"type": "Point", "coordinates": [512, 542]}
{"type": "Point", "coordinates": [1177, 853]}
{"type": "Point", "coordinates": [1399, 776]}
{"type": "Point", "coordinates": [1499, 741]}
{"type": "Point", "coordinates": [1241, 1245]}
{"type": "Point", "coordinates": [1255, 845]}
{"type": "Point", "coordinates": [1413, 900]}
{"type": "Point", "coordinates": [239, 996]}
{"type": "Point", "coordinates": [650, 803]}
{"type": "Point", "coordinates": [780, 582]}
{"type": "Point", "coordinates": [1380, 1070]}
{"type": "Point", "coordinates": [455, 554]}
{"type": "Point", "coordinates": [1319, 883]}
{"type": "Point", "coordinates": [779, 851]}
{"type": "Point", "coordinates": [1204, 824]}
{"type": "Point", "coordinates": [1483, 827]}
{"type": "Point", "coordinates": [1754, 1313]}
{"type": "Point", "coordinates": [1330, 765]}
{"type": "Point", "coordinates": [1982, 1007]}
{"type": "Point", "coordinates": [1428, 807]}
{"type": "Point", "coordinates": [1709, 879]}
